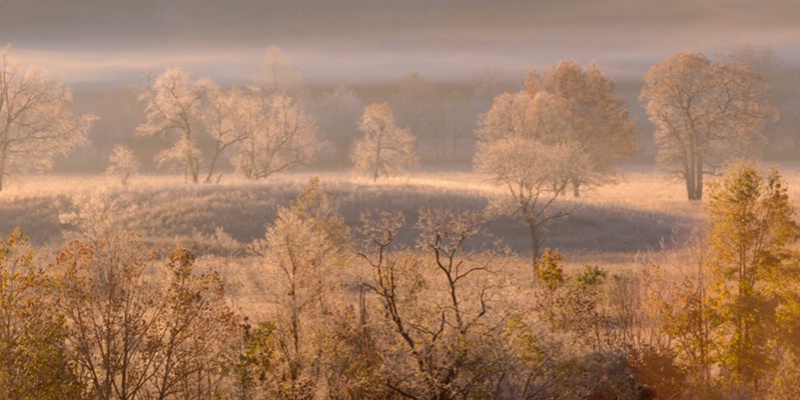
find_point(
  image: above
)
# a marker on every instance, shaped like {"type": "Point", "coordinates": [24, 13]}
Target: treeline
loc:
{"type": "Point", "coordinates": [350, 313]}
{"type": "Point", "coordinates": [704, 112]}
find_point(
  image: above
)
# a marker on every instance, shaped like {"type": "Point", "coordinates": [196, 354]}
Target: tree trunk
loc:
{"type": "Point", "coordinates": [693, 174]}
{"type": "Point", "coordinates": [698, 190]}
{"type": "Point", "coordinates": [211, 167]}
{"type": "Point", "coordinates": [576, 189]}
{"type": "Point", "coordinates": [534, 241]}
{"type": "Point", "coordinates": [694, 181]}
{"type": "Point", "coordinates": [195, 170]}
{"type": "Point", "coordinates": [2, 169]}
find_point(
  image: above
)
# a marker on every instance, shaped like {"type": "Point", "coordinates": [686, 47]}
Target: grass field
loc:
{"type": "Point", "coordinates": [612, 225]}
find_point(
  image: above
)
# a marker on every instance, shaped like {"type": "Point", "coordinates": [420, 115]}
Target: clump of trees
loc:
{"type": "Point", "coordinates": [268, 131]}
{"type": "Point", "coordinates": [355, 314]}
{"type": "Point", "coordinates": [566, 128]}
{"type": "Point", "coordinates": [732, 314]}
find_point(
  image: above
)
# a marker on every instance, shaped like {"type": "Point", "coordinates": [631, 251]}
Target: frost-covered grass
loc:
{"type": "Point", "coordinates": [612, 225]}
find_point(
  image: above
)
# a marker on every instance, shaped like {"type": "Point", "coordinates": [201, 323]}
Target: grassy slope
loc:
{"type": "Point", "coordinates": [612, 224]}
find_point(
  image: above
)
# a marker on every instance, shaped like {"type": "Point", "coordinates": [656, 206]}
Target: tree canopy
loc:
{"type": "Point", "coordinates": [704, 113]}
{"type": "Point", "coordinates": [35, 118]}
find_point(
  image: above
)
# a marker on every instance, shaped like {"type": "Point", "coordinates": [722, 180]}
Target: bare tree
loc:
{"type": "Point", "coordinates": [385, 148]}
{"type": "Point", "coordinates": [173, 105]}
{"type": "Point", "coordinates": [531, 175]}
{"type": "Point", "coordinates": [440, 343]}
{"type": "Point", "coordinates": [281, 136]}
{"type": "Point", "coordinates": [122, 164]}
{"type": "Point", "coordinates": [228, 119]}
{"type": "Point", "coordinates": [110, 313]}
{"type": "Point", "coordinates": [36, 123]}
{"type": "Point", "coordinates": [303, 251]}
{"type": "Point", "coordinates": [704, 112]}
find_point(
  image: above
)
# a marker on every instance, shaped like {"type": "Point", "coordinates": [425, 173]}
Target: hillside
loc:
{"type": "Point", "coordinates": [612, 224]}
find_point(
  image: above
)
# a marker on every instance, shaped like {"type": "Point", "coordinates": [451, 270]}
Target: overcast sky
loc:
{"type": "Point", "coordinates": [346, 41]}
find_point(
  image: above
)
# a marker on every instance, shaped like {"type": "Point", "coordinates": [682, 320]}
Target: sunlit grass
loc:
{"type": "Point", "coordinates": [613, 225]}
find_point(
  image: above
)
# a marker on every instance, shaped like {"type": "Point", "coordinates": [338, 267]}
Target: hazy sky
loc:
{"type": "Point", "coordinates": [346, 41]}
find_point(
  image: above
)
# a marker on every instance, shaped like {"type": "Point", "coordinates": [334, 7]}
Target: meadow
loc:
{"type": "Point", "coordinates": [612, 224]}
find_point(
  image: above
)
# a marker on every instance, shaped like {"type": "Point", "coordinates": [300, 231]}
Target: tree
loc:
{"type": "Point", "coordinates": [437, 328]}
{"type": "Point", "coordinates": [279, 76]}
{"type": "Point", "coordinates": [419, 107]}
{"type": "Point", "coordinates": [36, 123]}
{"type": "Point", "coordinates": [750, 238]}
{"type": "Point", "coordinates": [281, 136]}
{"type": "Point", "coordinates": [783, 136]}
{"type": "Point", "coordinates": [137, 336]}
{"type": "Point", "coordinates": [591, 115]}
{"type": "Point", "coordinates": [385, 148]}
{"type": "Point", "coordinates": [337, 113]}
{"type": "Point", "coordinates": [303, 249]}
{"type": "Point", "coordinates": [228, 119]}
{"type": "Point", "coordinates": [110, 310]}
{"type": "Point", "coordinates": [34, 362]}
{"type": "Point", "coordinates": [122, 164]}
{"type": "Point", "coordinates": [532, 175]}
{"type": "Point", "coordinates": [173, 105]}
{"type": "Point", "coordinates": [704, 112]}
{"type": "Point", "coordinates": [678, 296]}
{"type": "Point", "coordinates": [194, 333]}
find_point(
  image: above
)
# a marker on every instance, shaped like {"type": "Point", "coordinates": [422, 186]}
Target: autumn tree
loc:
{"type": "Point", "coordinates": [107, 304]}
{"type": "Point", "coordinates": [173, 104]}
{"type": "Point", "coordinates": [139, 336]}
{"type": "Point", "coordinates": [704, 112]}
{"type": "Point", "coordinates": [194, 333]}
{"type": "Point", "coordinates": [36, 123]}
{"type": "Point", "coordinates": [678, 296]}
{"type": "Point", "coordinates": [281, 135]}
{"type": "Point", "coordinates": [385, 149]}
{"type": "Point", "coordinates": [582, 102]}
{"type": "Point", "coordinates": [34, 362]}
{"type": "Point", "coordinates": [750, 237]}
{"type": "Point", "coordinates": [122, 164]}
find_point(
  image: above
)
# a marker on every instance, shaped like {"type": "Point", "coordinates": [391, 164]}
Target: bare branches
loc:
{"type": "Point", "coordinates": [35, 118]}
{"type": "Point", "coordinates": [704, 112]}
{"type": "Point", "coordinates": [385, 149]}
{"type": "Point", "coordinates": [440, 335]}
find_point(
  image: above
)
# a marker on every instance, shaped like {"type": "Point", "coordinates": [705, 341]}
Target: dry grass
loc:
{"type": "Point", "coordinates": [618, 227]}
{"type": "Point", "coordinates": [611, 226]}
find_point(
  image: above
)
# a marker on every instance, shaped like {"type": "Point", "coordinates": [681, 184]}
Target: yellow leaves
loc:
{"type": "Point", "coordinates": [548, 269]}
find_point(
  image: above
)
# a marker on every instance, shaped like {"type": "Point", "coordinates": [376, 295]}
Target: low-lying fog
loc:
{"type": "Point", "coordinates": [330, 42]}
